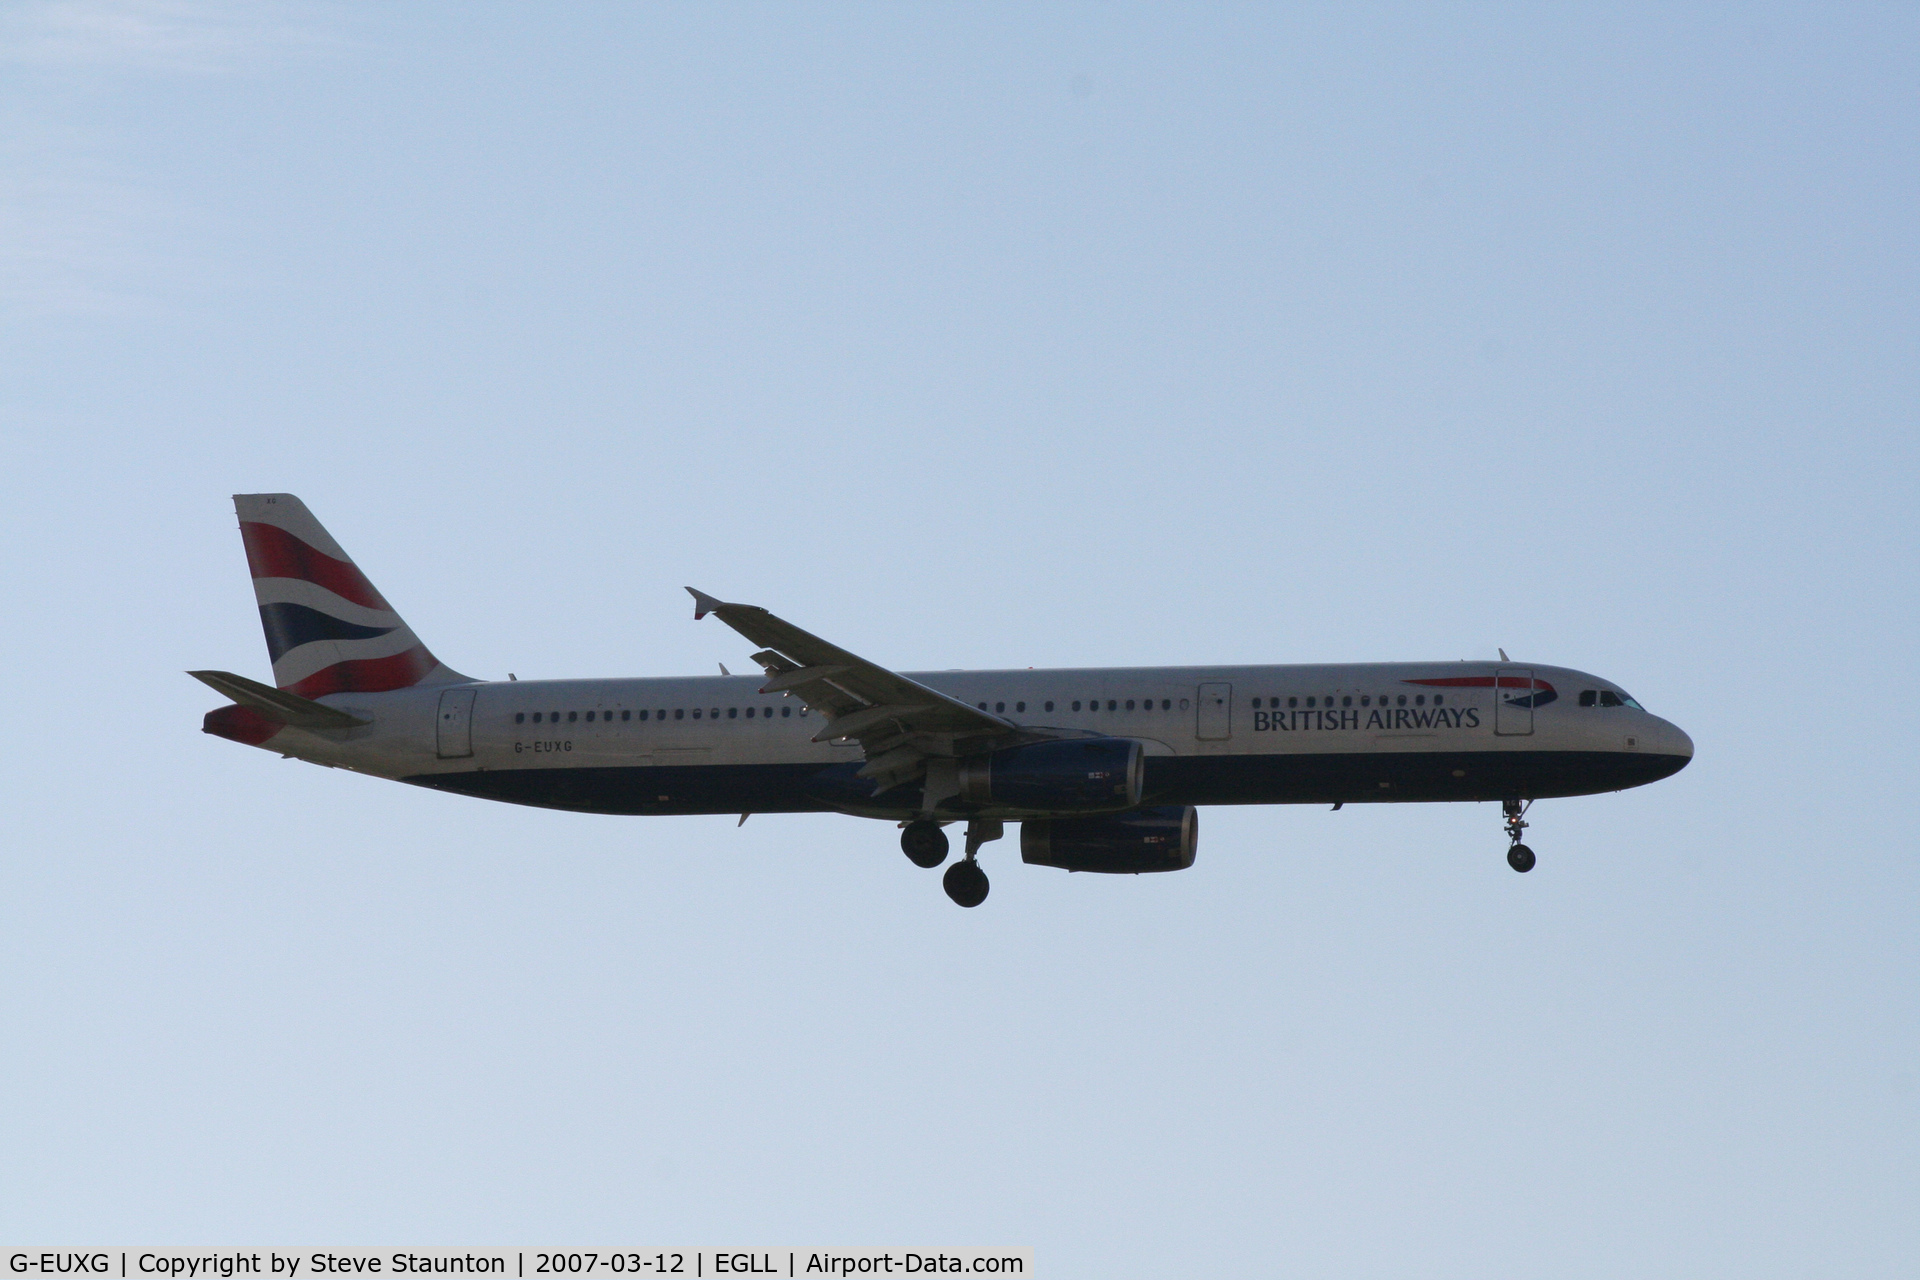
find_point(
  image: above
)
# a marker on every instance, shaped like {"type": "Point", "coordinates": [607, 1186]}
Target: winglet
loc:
{"type": "Point", "coordinates": [703, 604]}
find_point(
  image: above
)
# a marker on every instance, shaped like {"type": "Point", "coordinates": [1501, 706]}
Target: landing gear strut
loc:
{"type": "Point", "coordinates": [965, 882]}
{"type": "Point", "coordinates": [1519, 857]}
{"type": "Point", "coordinates": [924, 843]}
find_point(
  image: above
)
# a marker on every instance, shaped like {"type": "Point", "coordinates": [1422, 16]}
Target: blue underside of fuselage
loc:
{"type": "Point", "coordinates": [1197, 780]}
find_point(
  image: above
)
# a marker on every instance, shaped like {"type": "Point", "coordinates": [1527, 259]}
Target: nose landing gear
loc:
{"type": "Point", "coordinates": [1519, 857]}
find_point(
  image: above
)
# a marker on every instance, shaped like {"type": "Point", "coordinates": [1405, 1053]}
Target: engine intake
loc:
{"type": "Point", "coordinates": [1162, 838]}
{"type": "Point", "coordinates": [1087, 774]}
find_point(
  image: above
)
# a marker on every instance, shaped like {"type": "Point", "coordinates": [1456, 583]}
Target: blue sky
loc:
{"type": "Point", "coordinates": [971, 336]}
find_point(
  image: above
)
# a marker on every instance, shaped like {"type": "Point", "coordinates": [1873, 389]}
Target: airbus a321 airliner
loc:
{"type": "Point", "coordinates": [1102, 767]}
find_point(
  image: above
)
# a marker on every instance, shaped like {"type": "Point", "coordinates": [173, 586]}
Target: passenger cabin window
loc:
{"type": "Point", "coordinates": [1049, 706]}
{"type": "Point", "coordinates": [572, 716]}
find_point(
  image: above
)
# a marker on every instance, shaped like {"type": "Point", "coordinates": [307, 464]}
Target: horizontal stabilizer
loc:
{"type": "Point", "coordinates": [277, 704]}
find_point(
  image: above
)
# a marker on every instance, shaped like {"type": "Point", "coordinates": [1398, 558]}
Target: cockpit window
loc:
{"type": "Point", "coordinates": [1608, 698]}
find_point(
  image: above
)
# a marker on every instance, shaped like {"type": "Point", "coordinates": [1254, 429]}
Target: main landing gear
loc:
{"type": "Point", "coordinates": [925, 845]}
{"type": "Point", "coordinates": [1519, 857]}
{"type": "Point", "coordinates": [965, 883]}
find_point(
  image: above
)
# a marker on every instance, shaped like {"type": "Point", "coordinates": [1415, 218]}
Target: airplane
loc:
{"type": "Point", "coordinates": [1103, 768]}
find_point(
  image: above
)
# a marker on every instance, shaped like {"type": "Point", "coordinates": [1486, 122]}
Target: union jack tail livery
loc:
{"type": "Point", "coordinates": [328, 630]}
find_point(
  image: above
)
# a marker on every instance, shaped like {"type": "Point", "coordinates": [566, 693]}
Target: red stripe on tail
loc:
{"type": "Point", "coordinates": [272, 552]}
{"type": "Point", "coordinates": [367, 675]}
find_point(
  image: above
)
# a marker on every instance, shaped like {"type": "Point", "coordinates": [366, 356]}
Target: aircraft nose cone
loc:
{"type": "Point", "coordinates": [1669, 739]}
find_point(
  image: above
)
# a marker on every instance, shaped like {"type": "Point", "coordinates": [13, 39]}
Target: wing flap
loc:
{"type": "Point", "coordinates": [855, 723]}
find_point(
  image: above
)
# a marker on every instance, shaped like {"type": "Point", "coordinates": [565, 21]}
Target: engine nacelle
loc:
{"type": "Point", "coordinates": [1162, 838]}
{"type": "Point", "coordinates": [1084, 774]}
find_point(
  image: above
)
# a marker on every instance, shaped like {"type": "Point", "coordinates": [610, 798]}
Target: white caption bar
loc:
{"type": "Point", "coordinates": [518, 1264]}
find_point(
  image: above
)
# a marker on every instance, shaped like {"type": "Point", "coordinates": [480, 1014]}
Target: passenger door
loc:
{"type": "Point", "coordinates": [455, 728]}
{"type": "Point", "coordinates": [1513, 701]}
{"type": "Point", "coordinates": [1214, 717]}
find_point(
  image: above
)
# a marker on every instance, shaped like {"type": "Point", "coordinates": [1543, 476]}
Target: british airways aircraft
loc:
{"type": "Point", "coordinates": [1101, 767]}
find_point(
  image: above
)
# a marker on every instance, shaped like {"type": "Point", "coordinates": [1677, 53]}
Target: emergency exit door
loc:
{"type": "Point", "coordinates": [1513, 701]}
{"type": "Point", "coordinates": [456, 724]}
{"type": "Point", "coordinates": [1215, 712]}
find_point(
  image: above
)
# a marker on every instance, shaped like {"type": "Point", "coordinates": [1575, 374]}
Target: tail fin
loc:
{"type": "Point", "coordinates": [328, 630]}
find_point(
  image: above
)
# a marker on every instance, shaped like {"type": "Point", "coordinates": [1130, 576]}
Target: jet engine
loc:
{"type": "Point", "coordinates": [1087, 774]}
{"type": "Point", "coordinates": [1162, 838]}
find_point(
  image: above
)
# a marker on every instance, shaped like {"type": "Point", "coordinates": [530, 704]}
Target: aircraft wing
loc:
{"type": "Point", "coordinates": [898, 722]}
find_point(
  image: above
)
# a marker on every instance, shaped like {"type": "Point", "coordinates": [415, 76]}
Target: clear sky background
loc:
{"type": "Point", "coordinates": [971, 336]}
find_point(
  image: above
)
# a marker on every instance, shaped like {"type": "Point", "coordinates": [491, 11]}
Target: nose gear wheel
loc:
{"type": "Point", "coordinates": [1519, 857]}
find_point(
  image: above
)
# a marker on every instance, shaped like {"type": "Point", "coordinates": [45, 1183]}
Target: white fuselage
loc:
{"type": "Point", "coordinates": [643, 735]}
